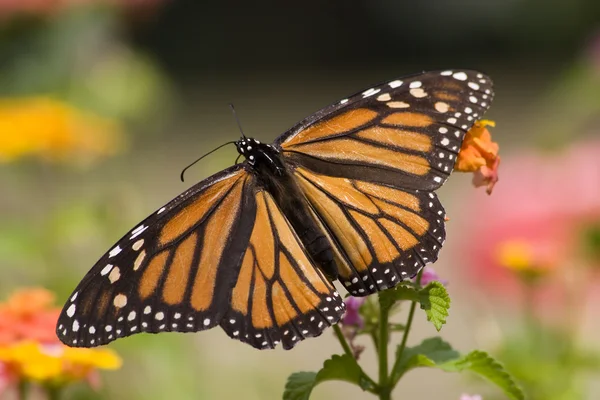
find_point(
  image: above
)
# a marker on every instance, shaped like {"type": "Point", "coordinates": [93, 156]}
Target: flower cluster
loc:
{"type": "Point", "coordinates": [479, 154]}
{"type": "Point", "coordinates": [546, 218]}
{"type": "Point", "coordinates": [53, 130]}
{"type": "Point", "coordinates": [31, 352]}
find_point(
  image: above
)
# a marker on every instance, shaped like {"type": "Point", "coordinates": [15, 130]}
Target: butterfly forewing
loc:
{"type": "Point", "coordinates": [405, 133]}
{"type": "Point", "coordinates": [173, 272]}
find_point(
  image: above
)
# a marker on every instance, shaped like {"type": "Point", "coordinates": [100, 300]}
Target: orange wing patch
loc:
{"type": "Point", "coordinates": [279, 294]}
{"type": "Point", "coordinates": [408, 119]}
{"type": "Point", "coordinates": [384, 234]}
{"type": "Point", "coordinates": [342, 123]}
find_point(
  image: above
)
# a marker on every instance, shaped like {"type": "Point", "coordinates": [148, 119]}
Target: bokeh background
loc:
{"type": "Point", "coordinates": [102, 103]}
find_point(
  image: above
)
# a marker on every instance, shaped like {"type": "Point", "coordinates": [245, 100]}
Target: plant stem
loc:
{"type": "Point", "coordinates": [348, 351]}
{"type": "Point", "coordinates": [22, 390]}
{"type": "Point", "coordinates": [384, 389]}
{"type": "Point", "coordinates": [53, 392]}
{"type": "Point", "coordinates": [342, 339]}
{"type": "Point", "coordinates": [402, 346]}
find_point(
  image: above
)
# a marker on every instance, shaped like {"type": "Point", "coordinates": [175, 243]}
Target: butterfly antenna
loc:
{"type": "Point", "coordinates": [237, 120]}
{"type": "Point", "coordinates": [210, 152]}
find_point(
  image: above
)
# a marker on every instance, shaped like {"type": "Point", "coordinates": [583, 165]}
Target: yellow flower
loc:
{"type": "Point", "coordinates": [479, 154]}
{"type": "Point", "coordinates": [53, 130]}
{"type": "Point", "coordinates": [55, 364]}
{"type": "Point", "coordinates": [530, 260]}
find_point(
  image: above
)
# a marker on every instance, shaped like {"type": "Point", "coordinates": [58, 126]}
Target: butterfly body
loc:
{"type": "Point", "coordinates": [273, 175]}
{"type": "Point", "coordinates": [348, 193]}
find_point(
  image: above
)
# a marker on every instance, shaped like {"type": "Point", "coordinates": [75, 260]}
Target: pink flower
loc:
{"type": "Point", "coordinates": [532, 224]}
{"type": "Point", "coordinates": [352, 316]}
{"type": "Point", "coordinates": [4, 378]}
{"type": "Point", "coordinates": [429, 275]}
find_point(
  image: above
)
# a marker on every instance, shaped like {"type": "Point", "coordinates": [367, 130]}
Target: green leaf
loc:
{"type": "Point", "coordinates": [435, 353]}
{"type": "Point", "coordinates": [429, 353]}
{"type": "Point", "coordinates": [433, 298]}
{"type": "Point", "coordinates": [387, 298]}
{"type": "Point", "coordinates": [435, 301]}
{"type": "Point", "coordinates": [338, 368]}
{"type": "Point", "coordinates": [484, 365]}
{"type": "Point", "coordinates": [299, 385]}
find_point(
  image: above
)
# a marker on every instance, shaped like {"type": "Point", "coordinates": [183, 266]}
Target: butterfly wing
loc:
{"type": "Point", "coordinates": [405, 133]}
{"type": "Point", "coordinates": [173, 272]}
{"type": "Point", "coordinates": [381, 235]}
{"type": "Point", "coordinates": [279, 296]}
{"type": "Point", "coordinates": [368, 165]}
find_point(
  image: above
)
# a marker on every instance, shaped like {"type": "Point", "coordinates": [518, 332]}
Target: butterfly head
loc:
{"type": "Point", "coordinates": [250, 148]}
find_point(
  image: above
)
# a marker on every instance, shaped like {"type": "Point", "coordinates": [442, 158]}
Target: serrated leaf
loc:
{"type": "Point", "coordinates": [299, 386]}
{"type": "Point", "coordinates": [435, 353]}
{"type": "Point", "coordinates": [484, 365]}
{"type": "Point", "coordinates": [429, 353]}
{"type": "Point", "coordinates": [435, 301]}
{"type": "Point", "coordinates": [339, 368]}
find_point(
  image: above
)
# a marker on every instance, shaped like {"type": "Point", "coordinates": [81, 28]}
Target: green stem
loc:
{"type": "Point", "coordinates": [384, 389]}
{"type": "Point", "coordinates": [402, 346]}
{"type": "Point", "coordinates": [348, 351]}
{"type": "Point", "coordinates": [22, 390]}
{"type": "Point", "coordinates": [373, 335]}
{"type": "Point", "coordinates": [342, 339]}
{"type": "Point", "coordinates": [53, 392]}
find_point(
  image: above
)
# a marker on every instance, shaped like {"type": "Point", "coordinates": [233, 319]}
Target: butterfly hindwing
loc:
{"type": "Point", "coordinates": [406, 132]}
{"type": "Point", "coordinates": [173, 272]}
{"type": "Point", "coordinates": [279, 296]}
{"type": "Point", "coordinates": [381, 235]}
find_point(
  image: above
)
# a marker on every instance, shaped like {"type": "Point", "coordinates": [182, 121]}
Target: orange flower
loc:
{"type": "Point", "coordinates": [28, 315]}
{"type": "Point", "coordinates": [479, 154]}
{"type": "Point", "coordinates": [30, 350]}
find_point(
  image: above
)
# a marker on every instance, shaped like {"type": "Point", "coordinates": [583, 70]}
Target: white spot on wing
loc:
{"type": "Point", "coordinates": [370, 92]}
{"type": "Point", "coordinates": [114, 252]}
{"type": "Point", "coordinates": [114, 275]}
{"type": "Point", "coordinates": [395, 84]}
{"type": "Point", "coordinates": [384, 97]}
{"type": "Point", "coordinates": [441, 107]}
{"type": "Point", "coordinates": [138, 245]}
{"type": "Point", "coordinates": [106, 269]}
{"type": "Point", "coordinates": [397, 104]}
{"type": "Point", "coordinates": [120, 301]}
{"type": "Point", "coordinates": [461, 76]}
{"type": "Point", "coordinates": [138, 231]}
{"type": "Point", "coordinates": [71, 310]}
{"type": "Point", "coordinates": [418, 93]}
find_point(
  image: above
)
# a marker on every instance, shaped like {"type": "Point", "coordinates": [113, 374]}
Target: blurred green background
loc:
{"type": "Point", "coordinates": [102, 103]}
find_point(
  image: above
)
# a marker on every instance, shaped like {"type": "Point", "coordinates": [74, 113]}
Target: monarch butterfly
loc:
{"type": "Point", "coordinates": [347, 194]}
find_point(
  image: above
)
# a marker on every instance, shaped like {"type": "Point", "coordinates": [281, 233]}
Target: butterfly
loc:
{"type": "Point", "coordinates": [347, 194]}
